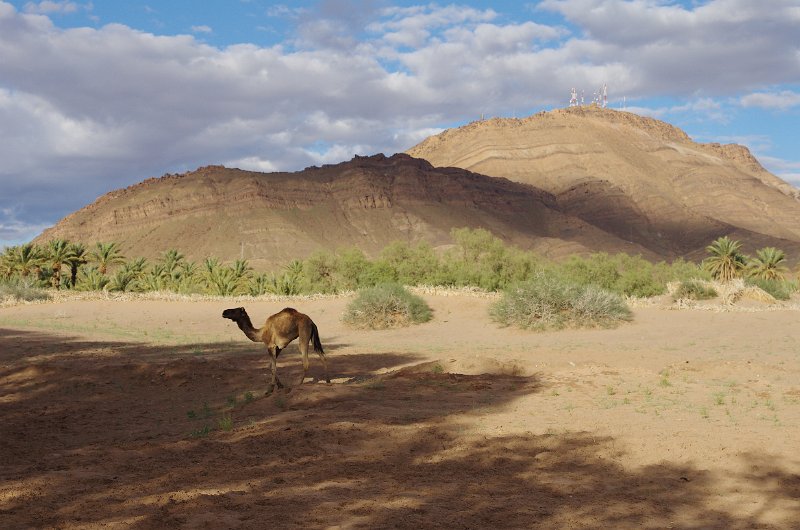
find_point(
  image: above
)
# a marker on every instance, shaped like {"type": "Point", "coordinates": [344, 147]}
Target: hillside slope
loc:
{"type": "Point", "coordinates": [638, 178]}
{"type": "Point", "coordinates": [368, 202]}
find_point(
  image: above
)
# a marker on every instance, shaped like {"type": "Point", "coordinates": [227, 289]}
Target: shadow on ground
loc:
{"type": "Point", "coordinates": [131, 435]}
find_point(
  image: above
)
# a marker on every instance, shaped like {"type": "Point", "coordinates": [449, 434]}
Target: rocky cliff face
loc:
{"type": "Point", "coordinates": [638, 178]}
{"type": "Point", "coordinates": [367, 202]}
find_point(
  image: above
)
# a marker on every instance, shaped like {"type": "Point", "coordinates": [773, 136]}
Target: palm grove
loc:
{"type": "Point", "coordinates": [477, 259]}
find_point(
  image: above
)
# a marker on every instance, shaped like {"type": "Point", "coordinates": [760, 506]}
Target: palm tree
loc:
{"type": "Point", "coordinates": [129, 276]}
{"type": "Point", "coordinates": [77, 258]}
{"type": "Point", "coordinates": [28, 258]}
{"type": "Point", "coordinates": [105, 255]}
{"type": "Point", "coordinates": [172, 260]}
{"type": "Point", "coordinates": [224, 281]}
{"type": "Point", "coordinates": [769, 264]}
{"type": "Point", "coordinates": [58, 254]}
{"type": "Point", "coordinates": [726, 261]}
{"type": "Point", "coordinates": [7, 263]}
{"type": "Point", "coordinates": [92, 280]}
{"type": "Point", "coordinates": [242, 269]}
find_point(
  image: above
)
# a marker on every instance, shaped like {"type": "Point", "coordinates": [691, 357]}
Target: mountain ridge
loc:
{"type": "Point", "coordinates": [367, 202]}
{"type": "Point", "coordinates": [567, 181]}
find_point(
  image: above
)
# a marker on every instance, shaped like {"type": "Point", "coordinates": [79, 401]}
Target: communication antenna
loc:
{"type": "Point", "coordinates": [573, 98]}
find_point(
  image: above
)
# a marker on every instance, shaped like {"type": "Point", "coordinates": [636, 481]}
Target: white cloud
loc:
{"type": "Point", "coordinates": [50, 7]}
{"type": "Point", "coordinates": [252, 163]}
{"type": "Point", "coordinates": [202, 29]}
{"type": "Point", "coordinates": [785, 169]}
{"type": "Point", "coordinates": [699, 108]}
{"type": "Point", "coordinates": [14, 231]}
{"type": "Point", "coordinates": [782, 100]}
{"type": "Point", "coordinates": [719, 46]}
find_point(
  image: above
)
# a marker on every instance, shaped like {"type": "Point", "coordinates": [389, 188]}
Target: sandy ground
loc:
{"type": "Point", "coordinates": [152, 414]}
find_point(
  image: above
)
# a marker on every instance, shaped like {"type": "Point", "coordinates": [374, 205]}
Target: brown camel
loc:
{"type": "Point", "coordinates": [277, 332]}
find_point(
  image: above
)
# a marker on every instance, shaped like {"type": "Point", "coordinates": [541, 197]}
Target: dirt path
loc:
{"type": "Point", "coordinates": [151, 414]}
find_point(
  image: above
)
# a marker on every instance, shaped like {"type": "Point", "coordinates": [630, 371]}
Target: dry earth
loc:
{"type": "Point", "coordinates": [680, 419]}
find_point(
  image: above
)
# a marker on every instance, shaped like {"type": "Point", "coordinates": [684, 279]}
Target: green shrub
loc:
{"type": "Point", "coordinates": [598, 269]}
{"type": "Point", "coordinates": [549, 302]}
{"type": "Point", "coordinates": [779, 289]}
{"type": "Point", "coordinates": [386, 306]}
{"type": "Point", "coordinates": [694, 290]}
{"type": "Point", "coordinates": [640, 282]}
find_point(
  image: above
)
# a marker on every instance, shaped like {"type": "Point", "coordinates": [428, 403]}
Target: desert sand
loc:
{"type": "Point", "coordinates": [151, 414]}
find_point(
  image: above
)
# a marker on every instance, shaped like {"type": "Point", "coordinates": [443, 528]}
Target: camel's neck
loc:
{"type": "Point", "coordinates": [246, 326]}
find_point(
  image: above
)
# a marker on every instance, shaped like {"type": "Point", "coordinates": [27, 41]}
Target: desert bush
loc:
{"type": "Point", "coordinates": [549, 302]}
{"type": "Point", "coordinates": [778, 289]}
{"type": "Point", "coordinates": [694, 290]}
{"type": "Point", "coordinates": [21, 290]}
{"type": "Point", "coordinates": [386, 306]}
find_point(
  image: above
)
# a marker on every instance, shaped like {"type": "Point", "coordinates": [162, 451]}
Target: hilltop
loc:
{"type": "Point", "coordinates": [639, 178]}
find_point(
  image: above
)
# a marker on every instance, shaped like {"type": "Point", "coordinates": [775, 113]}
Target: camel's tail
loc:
{"type": "Point", "coordinates": [315, 339]}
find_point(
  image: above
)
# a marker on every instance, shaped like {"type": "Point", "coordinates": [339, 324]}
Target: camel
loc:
{"type": "Point", "coordinates": [277, 332]}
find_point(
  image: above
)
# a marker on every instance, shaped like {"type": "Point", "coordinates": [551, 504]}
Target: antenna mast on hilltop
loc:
{"type": "Point", "coordinates": [599, 98]}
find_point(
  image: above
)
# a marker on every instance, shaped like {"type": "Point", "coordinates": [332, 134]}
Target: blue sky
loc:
{"type": "Point", "coordinates": [95, 96]}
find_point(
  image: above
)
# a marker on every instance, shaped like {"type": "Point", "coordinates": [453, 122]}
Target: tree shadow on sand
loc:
{"type": "Point", "coordinates": [118, 440]}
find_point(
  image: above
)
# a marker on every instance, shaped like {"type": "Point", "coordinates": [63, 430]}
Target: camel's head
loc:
{"type": "Point", "coordinates": [234, 314]}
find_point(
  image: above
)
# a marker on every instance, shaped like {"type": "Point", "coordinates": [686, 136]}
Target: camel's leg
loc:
{"type": "Point", "coordinates": [304, 355]}
{"type": "Point", "coordinates": [273, 358]}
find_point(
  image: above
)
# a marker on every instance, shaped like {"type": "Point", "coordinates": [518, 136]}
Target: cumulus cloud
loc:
{"type": "Point", "coordinates": [721, 47]}
{"type": "Point", "coordinates": [87, 110]}
{"type": "Point", "coordinates": [782, 100]}
{"type": "Point", "coordinates": [785, 169]}
{"type": "Point", "coordinates": [13, 231]}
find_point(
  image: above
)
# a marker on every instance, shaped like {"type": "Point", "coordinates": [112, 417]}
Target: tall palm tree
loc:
{"type": "Point", "coordinates": [105, 255]}
{"type": "Point", "coordinates": [28, 259]}
{"type": "Point", "coordinates": [58, 254]}
{"type": "Point", "coordinates": [769, 264]}
{"type": "Point", "coordinates": [77, 258]}
{"type": "Point", "coordinates": [726, 261]}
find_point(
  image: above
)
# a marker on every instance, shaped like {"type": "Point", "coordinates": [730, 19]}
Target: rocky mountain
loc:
{"type": "Point", "coordinates": [368, 202]}
{"type": "Point", "coordinates": [638, 178]}
{"type": "Point", "coordinates": [568, 181]}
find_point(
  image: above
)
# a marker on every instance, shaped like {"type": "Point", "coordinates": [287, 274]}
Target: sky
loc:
{"type": "Point", "coordinates": [98, 95]}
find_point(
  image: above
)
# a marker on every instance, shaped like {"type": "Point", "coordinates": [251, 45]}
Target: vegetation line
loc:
{"type": "Point", "coordinates": [478, 262]}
